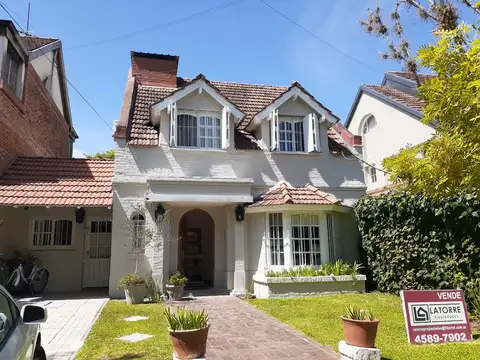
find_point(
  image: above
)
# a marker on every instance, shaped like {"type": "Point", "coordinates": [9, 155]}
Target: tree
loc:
{"type": "Point", "coordinates": [450, 161]}
{"type": "Point", "coordinates": [109, 154]}
{"type": "Point", "coordinates": [443, 14]}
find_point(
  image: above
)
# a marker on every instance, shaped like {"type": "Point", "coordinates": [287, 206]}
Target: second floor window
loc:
{"type": "Point", "coordinates": [199, 129]}
{"type": "Point", "coordinates": [10, 69]}
{"type": "Point", "coordinates": [372, 174]}
{"type": "Point", "coordinates": [291, 135]}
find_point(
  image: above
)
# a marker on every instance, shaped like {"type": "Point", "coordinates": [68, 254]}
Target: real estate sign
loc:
{"type": "Point", "coordinates": [435, 316]}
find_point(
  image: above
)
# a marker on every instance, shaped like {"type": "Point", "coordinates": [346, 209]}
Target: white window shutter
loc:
{"type": "Point", "coordinates": [274, 131]}
{"type": "Point", "coordinates": [316, 133]}
{"type": "Point", "coordinates": [173, 124]}
{"type": "Point", "coordinates": [311, 133]}
{"type": "Point", "coordinates": [307, 134]}
{"type": "Point", "coordinates": [225, 128]}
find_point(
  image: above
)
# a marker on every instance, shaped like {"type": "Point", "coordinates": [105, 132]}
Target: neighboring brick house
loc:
{"type": "Point", "coordinates": [35, 117]}
{"type": "Point", "coordinates": [388, 117]}
{"type": "Point", "coordinates": [250, 177]}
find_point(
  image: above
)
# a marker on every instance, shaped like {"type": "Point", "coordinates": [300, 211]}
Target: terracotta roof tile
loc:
{"type": "Point", "coordinates": [411, 101]}
{"type": "Point", "coordinates": [410, 76]}
{"type": "Point", "coordinates": [35, 42]}
{"type": "Point", "coordinates": [249, 98]}
{"type": "Point", "coordinates": [57, 182]}
{"type": "Point", "coordinates": [285, 194]}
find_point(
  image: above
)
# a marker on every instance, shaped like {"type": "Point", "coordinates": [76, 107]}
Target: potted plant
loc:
{"type": "Point", "coordinates": [188, 331]}
{"type": "Point", "coordinates": [359, 327]}
{"type": "Point", "coordinates": [175, 286]}
{"type": "Point", "coordinates": [134, 286]}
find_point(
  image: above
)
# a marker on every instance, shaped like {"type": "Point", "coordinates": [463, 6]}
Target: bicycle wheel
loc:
{"type": "Point", "coordinates": [39, 280]}
{"type": "Point", "coordinates": [13, 281]}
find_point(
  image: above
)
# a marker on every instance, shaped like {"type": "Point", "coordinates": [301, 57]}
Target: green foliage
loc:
{"type": "Point", "coordinates": [337, 268]}
{"type": "Point", "coordinates": [472, 294]}
{"type": "Point", "coordinates": [184, 319]}
{"type": "Point", "coordinates": [450, 161]}
{"type": "Point", "coordinates": [413, 241]}
{"type": "Point", "coordinates": [154, 290]}
{"type": "Point", "coordinates": [109, 154]}
{"type": "Point", "coordinates": [354, 312]}
{"type": "Point", "coordinates": [177, 279]}
{"type": "Point", "coordinates": [130, 280]}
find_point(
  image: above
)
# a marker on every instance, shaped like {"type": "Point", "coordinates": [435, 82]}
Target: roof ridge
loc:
{"type": "Point", "coordinates": [62, 158]}
{"type": "Point", "coordinates": [237, 83]}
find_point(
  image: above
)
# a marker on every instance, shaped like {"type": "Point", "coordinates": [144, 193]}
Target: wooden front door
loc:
{"type": "Point", "coordinates": [193, 256]}
{"type": "Point", "coordinates": [96, 260]}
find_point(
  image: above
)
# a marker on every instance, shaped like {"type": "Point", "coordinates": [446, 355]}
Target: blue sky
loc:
{"type": "Point", "coordinates": [246, 42]}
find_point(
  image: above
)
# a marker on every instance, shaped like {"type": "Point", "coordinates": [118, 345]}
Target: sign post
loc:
{"type": "Point", "coordinates": [435, 316]}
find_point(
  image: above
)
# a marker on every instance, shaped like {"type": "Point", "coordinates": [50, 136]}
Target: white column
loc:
{"type": "Point", "coordinates": [239, 286]}
{"type": "Point", "coordinates": [324, 238]}
{"type": "Point", "coordinates": [230, 248]}
{"type": "Point", "coordinates": [287, 239]}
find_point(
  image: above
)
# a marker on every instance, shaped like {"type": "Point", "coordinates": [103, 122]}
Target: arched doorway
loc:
{"type": "Point", "coordinates": [196, 248]}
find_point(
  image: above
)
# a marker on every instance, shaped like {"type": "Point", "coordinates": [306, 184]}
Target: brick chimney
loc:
{"type": "Point", "coordinates": [155, 69]}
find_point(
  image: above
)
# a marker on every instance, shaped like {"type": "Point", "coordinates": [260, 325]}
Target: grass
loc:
{"type": "Point", "coordinates": [102, 344]}
{"type": "Point", "coordinates": [318, 318]}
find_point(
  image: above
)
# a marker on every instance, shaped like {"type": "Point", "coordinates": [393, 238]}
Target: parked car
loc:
{"type": "Point", "coordinates": [20, 329]}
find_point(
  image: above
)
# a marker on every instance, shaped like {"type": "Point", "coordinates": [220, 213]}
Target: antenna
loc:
{"type": "Point", "coordinates": [28, 17]}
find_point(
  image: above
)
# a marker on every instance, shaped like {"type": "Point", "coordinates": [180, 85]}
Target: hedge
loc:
{"type": "Point", "coordinates": [414, 242]}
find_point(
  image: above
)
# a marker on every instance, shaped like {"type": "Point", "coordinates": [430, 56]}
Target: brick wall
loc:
{"type": "Point", "coordinates": [32, 127]}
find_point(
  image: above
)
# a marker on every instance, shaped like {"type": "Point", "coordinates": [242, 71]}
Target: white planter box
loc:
{"type": "Point", "coordinates": [269, 287]}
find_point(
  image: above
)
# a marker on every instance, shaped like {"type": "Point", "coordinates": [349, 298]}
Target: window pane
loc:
{"type": "Point", "coordinates": [299, 140]}
{"type": "Point", "coordinates": [276, 239]}
{"type": "Point", "coordinates": [210, 132]}
{"type": "Point", "coordinates": [63, 233]}
{"type": "Point", "coordinates": [186, 130]}
{"type": "Point", "coordinates": [306, 239]}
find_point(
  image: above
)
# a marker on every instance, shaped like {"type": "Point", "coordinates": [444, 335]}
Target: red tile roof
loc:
{"type": "Point", "coordinates": [57, 182]}
{"type": "Point", "coordinates": [411, 101]}
{"type": "Point", "coordinates": [410, 76]}
{"type": "Point", "coordinates": [35, 42]}
{"type": "Point", "coordinates": [285, 194]}
{"type": "Point", "coordinates": [248, 98]}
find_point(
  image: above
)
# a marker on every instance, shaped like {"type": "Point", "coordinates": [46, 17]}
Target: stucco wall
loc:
{"type": "Point", "coordinates": [395, 129]}
{"type": "Point", "coordinates": [65, 265]}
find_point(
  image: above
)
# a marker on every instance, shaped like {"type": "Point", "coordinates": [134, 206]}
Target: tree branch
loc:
{"type": "Point", "coordinates": [421, 9]}
{"type": "Point", "coordinates": [468, 4]}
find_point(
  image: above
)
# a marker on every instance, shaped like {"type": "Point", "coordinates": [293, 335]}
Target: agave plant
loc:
{"type": "Point", "coordinates": [184, 319]}
{"type": "Point", "coordinates": [353, 312]}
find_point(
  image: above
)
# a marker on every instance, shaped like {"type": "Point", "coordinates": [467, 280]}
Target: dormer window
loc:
{"type": "Point", "coordinates": [291, 134]}
{"type": "Point", "coordinates": [199, 129]}
{"type": "Point", "coordinates": [11, 69]}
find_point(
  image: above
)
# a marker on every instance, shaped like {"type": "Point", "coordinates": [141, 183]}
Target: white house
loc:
{"type": "Point", "coordinates": [388, 117]}
{"type": "Point", "coordinates": [249, 177]}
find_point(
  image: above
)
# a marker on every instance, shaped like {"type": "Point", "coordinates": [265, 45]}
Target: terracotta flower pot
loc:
{"type": "Point", "coordinates": [361, 333]}
{"type": "Point", "coordinates": [176, 291]}
{"type": "Point", "coordinates": [135, 294]}
{"type": "Point", "coordinates": [189, 344]}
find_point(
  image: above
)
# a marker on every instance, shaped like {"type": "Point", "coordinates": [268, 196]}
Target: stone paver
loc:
{"type": "Point", "coordinates": [240, 331]}
{"type": "Point", "coordinates": [70, 318]}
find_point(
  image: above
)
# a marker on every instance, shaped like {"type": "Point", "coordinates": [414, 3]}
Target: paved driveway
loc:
{"type": "Point", "coordinates": [240, 331]}
{"type": "Point", "coordinates": [70, 318]}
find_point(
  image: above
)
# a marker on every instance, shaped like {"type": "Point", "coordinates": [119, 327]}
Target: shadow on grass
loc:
{"type": "Point", "coordinates": [126, 357]}
{"type": "Point", "coordinates": [476, 336]}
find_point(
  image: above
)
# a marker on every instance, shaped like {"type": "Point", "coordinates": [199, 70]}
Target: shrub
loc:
{"type": "Point", "coordinates": [337, 268]}
{"type": "Point", "coordinates": [185, 319]}
{"type": "Point", "coordinates": [177, 279]}
{"type": "Point", "coordinates": [130, 280]}
{"type": "Point", "coordinates": [415, 242]}
{"type": "Point", "coordinates": [353, 312]}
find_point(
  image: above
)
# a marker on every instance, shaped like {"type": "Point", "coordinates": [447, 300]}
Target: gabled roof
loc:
{"type": "Point", "coordinates": [413, 102]}
{"type": "Point", "coordinates": [284, 194]}
{"type": "Point", "coordinates": [410, 76]}
{"type": "Point", "coordinates": [250, 99]}
{"type": "Point", "coordinates": [36, 42]}
{"type": "Point", "coordinates": [32, 181]}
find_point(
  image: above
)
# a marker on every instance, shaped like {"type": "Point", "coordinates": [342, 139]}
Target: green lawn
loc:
{"type": "Point", "coordinates": [102, 344]}
{"type": "Point", "coordinates": [318, 318]}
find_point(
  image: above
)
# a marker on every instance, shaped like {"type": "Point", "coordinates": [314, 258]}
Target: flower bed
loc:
{"type": "Point", "coordinates": [270, 287]}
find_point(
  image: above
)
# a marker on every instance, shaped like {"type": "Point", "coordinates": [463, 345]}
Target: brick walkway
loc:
{"type": "Point", "coordinates": [240, 331]}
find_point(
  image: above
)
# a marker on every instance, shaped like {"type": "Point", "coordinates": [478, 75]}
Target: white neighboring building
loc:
{"type": "Point", "coordinates": [388, 117]}
{"type": "Point", "coordinates": [252, 177]}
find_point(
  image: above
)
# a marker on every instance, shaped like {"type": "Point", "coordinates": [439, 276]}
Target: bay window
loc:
{"type": "Point", "coordinates": [299, 239]}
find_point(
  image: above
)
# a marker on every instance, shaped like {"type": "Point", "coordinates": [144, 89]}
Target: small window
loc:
{"type": "Point", "coordinates": [368, 125]}
{"type": "Point", "coordinates": [9, 316]}
{"type": "Point", "coordinates": [275, 234]}
{"type": "Point", "coordinates": [199, 130]}
{"type": "Point", "coordinates": [372, 174]}
{"type": "Point", "coordinates": [52, 233]}
{"type": "Point", "coordinates": [10, 68]}
{"type": "Point", "coordinates": [291, 135]}
{"type": "Point", "coordinates": [306, 240]}
{"type": "Point", "coordinates": [138, 233]}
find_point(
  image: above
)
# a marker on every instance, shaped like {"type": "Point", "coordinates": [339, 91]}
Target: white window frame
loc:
{"type": "Point", "coordinates": [372, 174]}
{"type": "Point", "coordinates": [137, 223]}
{"type": "Point", "coordinates": [287, 217]}
{"type": "Point", "coordinates": [310, 239]}
{"type": "Point", "coordinates": [108, 247]}
{"type": "Point", "coordinates": [202, 114]}
{"type": "Point", "coordinates": [7, 45]}
{"type": "Point", "coordinates": [292, 120]}
{"type": "Point", "coordinates": [53, 219]}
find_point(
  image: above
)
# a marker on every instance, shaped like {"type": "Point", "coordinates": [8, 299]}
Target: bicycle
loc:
{"type": "Point", "coordinates": [36, 281]}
